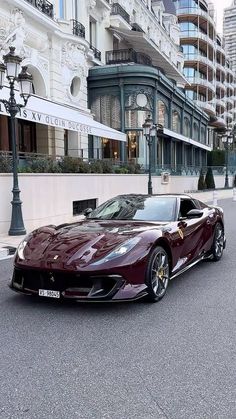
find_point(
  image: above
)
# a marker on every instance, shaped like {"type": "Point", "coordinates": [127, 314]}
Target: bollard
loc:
{"type": "Point", "coordinates": [214, 198]}
{"type": "Point", "coordinates": [234, 194]}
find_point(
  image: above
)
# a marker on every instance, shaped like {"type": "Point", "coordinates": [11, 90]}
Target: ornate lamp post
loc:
{"type": "Point", "coordinates": [227, 139]}
{"type": "Point", "coordinates": [149, 131]}
{"type": "Point", "coordinates": [12, 69]}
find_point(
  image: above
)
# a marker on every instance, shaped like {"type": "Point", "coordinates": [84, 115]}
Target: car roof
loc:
{"type": "Point", "coordinates": [169, 195]}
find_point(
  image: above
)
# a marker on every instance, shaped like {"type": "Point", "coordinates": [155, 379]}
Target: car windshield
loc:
{"type": "Point", "coordinates": [143, 208]}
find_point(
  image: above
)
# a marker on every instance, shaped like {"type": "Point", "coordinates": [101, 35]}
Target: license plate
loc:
{"type": "Point", "coordinates": [49, 293]}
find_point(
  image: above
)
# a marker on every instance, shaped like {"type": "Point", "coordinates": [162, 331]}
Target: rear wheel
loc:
{"type": "Point", "coordinates": [218, 243]}
{"type": "Point", "coordinates": [157, 276]}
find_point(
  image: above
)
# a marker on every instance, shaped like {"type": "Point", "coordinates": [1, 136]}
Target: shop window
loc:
{"type": "Point", "coordinates": [110, 149]}
{"type": "Point", "coordinates": [27, 137]}
{"type": "Point", "coordinates": [133, 144]}
{"type": "Point", "coordinates": [66, 144]}
{"type": "Point", "coordinates": [134, 119]}
{"type": "Point", "coordinates": [106, 109]}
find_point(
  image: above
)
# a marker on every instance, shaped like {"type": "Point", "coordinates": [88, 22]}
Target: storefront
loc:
{"type": "Point", "coordinates": [46, 127]}
{"type": "Point", "coordinates": [127, 94]}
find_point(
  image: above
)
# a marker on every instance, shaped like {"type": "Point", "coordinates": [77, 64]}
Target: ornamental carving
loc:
{"type": "Point", "coordinates": [139, 98]}
{"type": "Point", "coordinates": [92, 4]}
{"type": "Point", "coordinates": [16, 34]}
{"type": "Point", "coordinates": [73, 56]}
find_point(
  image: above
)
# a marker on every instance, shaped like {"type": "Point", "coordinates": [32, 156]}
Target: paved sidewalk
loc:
{"type": "Point", "coordinates": [8, 244]}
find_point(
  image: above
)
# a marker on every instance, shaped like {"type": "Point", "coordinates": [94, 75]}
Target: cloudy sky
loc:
{"type": "Point", "coordinates": [219, 6]}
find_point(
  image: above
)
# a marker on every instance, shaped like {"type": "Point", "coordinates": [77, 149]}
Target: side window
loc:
{"type": "Point", "coordinates": [185, 206]}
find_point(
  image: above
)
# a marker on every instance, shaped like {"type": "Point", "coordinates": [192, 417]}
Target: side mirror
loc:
{"type": "Point", "coordinates": [195, 213]}
{"type": "Point", "coordinates": [87, 211]}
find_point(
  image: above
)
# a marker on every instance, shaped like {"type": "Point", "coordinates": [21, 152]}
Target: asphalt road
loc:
{"type": "Point", "coordinates": [175, 359]}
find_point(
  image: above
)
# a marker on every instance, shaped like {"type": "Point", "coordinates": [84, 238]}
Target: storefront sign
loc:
{"type": "Point", "coordinates": [53, 121]}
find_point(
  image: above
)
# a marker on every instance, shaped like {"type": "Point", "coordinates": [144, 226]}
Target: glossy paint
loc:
{"type": "Point", "coordinates": [81, 247]}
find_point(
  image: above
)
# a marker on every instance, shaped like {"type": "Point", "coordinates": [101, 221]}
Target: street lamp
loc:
{"type": "Point", "coordinates": [149, 131]}
{"type": "Point", "coordinates": [227, 139]}
{"type": "Point", "coordinates": [11, 67]}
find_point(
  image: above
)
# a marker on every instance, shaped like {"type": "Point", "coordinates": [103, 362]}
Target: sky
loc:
{"type": "Point", "coordinates": [219, 7]}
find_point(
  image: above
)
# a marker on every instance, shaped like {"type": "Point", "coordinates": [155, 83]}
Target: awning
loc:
{"type": "Point", "coordinates": [141, 43]}
{"type": "Point", "coordinates": [181, 137]}
{"type": "Point", "coordinates": [43, 111]}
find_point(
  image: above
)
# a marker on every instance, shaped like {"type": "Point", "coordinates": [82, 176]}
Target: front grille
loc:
{"type": "Point", "coordinates": [71, 285]}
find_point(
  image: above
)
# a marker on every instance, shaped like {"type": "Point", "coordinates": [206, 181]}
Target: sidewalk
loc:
{"type": "Point", "coordinates": [8, 244]}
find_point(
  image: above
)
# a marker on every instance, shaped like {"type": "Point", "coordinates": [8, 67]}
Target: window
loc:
{"type": "Point", "coordinates": [161, 113]}
{"type": "Point", "coordinates": [80, 206]}
{"type": "Point", "coordinates": [195, 131]}
{"type": "Point", "coordinates": [92, 32]}
{"type": "Point", "coordinates": [186, 205]}
{"type": "Point", "coordinates": [175, 121]}
{"type": "Point", "coordinates": [187, 127]}
{"type": "Point", "coordinates": [61, 9]}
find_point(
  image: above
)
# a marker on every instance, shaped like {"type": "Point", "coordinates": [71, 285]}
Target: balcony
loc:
{"type": "Point", "coordinates": [136, 27]}
{"type": "Point", "coordinates": [44, 6]}
{"type": "Point", "coordinates": [78, 29]}
{"type": "Point", "coordinates": [117, 9]}
{"type": "Point", "coordinates": [122, 56]}
{"type": "Point", "coordinates": [96, 52]}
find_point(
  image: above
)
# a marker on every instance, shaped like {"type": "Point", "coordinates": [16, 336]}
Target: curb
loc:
{"type": "Point", "coordinates": [7, 251]}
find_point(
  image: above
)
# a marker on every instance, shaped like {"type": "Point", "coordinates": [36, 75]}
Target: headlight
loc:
{"type": "Point", "coordinates": [20, 250]}
{"type": "Point", "coordinates": [119, 251]}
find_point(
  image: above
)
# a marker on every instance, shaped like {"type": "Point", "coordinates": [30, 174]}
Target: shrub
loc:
{"type": "Point", "coordinates": [201, 181]}
{"type": "Point", "coordinates": [96, 166]}
{"type": "Point", "coordinates": [5, 164]}
{"type": "Point", "coordinates": [69, 164]}
{"type": "Point", "coordinates": [210, 183]}
{"type": "Point", "coordinates": [39, 165]}
{"type": "Point", "coordinates": [121, 170]}
{"type": "Point", "coordinates": [106, 166]}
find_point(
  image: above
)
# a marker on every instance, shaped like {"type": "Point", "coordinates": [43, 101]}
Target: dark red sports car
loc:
{"type": "Point", "coordinates": [127, 248]}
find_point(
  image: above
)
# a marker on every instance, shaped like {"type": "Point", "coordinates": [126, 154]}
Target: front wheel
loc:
{"type": "Point", "coordinates": [218, 243]}
{"type": "Point", "coordinates": [157, 275]}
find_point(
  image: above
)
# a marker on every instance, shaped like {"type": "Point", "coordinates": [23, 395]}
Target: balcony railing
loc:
{"type": "Point", "coordinates": [97, 53]}
{"type": "Point", "coordinates": [44, 6]}
{"type": "Point", "coordinates": [117, 9]}
{"type": "Point", "coordinates": [78, 28]}
{"type": "Point", "coordinates": [127, 56]}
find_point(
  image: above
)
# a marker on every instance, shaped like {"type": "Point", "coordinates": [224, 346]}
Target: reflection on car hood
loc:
{"type": "Point", "coordinates": [83, 242]}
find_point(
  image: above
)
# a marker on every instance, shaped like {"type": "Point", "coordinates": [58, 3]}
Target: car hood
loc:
{"type": "Point", "coordinates": [82, 243]}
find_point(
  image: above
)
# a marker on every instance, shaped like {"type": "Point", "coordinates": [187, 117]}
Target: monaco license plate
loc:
{"type": "Point", "coordinates": [49, 293]}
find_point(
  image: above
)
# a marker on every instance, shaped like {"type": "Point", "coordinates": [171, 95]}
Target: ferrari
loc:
{"type": "Point", "coordinates": [127, 248]}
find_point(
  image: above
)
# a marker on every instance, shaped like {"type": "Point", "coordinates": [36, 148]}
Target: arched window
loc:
{"type": "Point", "coordinates": [187, 132]}
{"type": "Point", "coordinates": [203, 138]}
{"type": "Point", "coordinates": [175, 121]}
{"type": "Point", "coordinates": [195, 132]}
{"type": "Point", "coordinates": [161, 113]}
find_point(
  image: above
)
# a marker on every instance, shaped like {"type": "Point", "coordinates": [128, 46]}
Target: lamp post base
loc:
{"type": "Point", "coordinates": [17, 227]}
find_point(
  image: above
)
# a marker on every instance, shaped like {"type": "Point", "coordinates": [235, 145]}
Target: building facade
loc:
{"type": "Point", "coordinates": [229, 30]}
{"type": "Point", "coordinates": [76, 51]}
{"type": "Point", "coordinates": [207, 66]}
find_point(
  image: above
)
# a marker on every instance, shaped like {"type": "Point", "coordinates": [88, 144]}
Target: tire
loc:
{"type": "Point", "coordinates": [157, 274]}
{"type": "Point", "coordinates": [218, 243]}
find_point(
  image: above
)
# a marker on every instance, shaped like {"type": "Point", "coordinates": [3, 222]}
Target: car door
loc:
{"type": "Point", "coordinates": [189, 235]}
